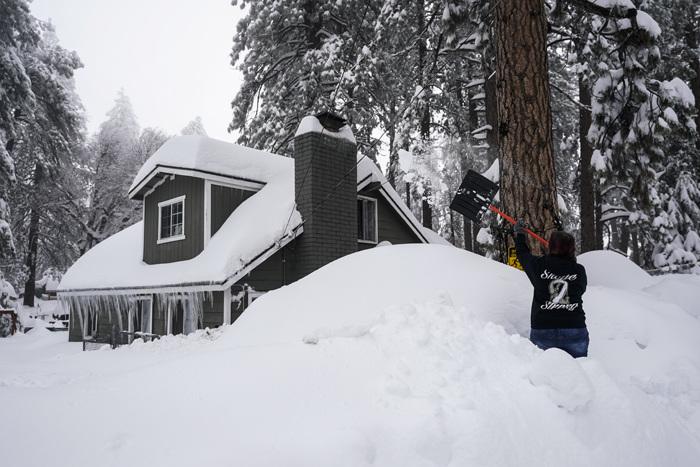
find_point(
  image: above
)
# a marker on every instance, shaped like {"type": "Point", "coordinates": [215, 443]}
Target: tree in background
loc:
{"type": "Point", "coordinates": [300, 57]}
{"type": "Point", "coordinates": [195, 127]}
{"type": "Point", "coordinates": [584, 123]}
{"type": "Point", "coordinates": [44, 131]}
{"type": "Point", "coordinates": [110, 162]}
{"type": "Point", "coordinates": [19, 36]}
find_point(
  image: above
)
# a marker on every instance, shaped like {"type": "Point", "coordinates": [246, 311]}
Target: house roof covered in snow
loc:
{"type": "Point", "coordinates": [245, 239]}
{"type": "Point", "coordinates": [205, 157]}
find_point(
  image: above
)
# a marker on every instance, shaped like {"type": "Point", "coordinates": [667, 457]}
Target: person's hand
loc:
{"type": "Point", "coordinates": [519, 227]}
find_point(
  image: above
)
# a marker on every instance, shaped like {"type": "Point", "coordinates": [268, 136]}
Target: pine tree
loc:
{"type": "Point", "coordinates": [113, 158]}
{"type": "Point", "coordinates": [300, 57]}
{"type": "Point", "coordinates": [43, 129]}
{"type": "Point", "coordinates": [19, 35]}
{"type": "Point", "coordinates": [195, 127]}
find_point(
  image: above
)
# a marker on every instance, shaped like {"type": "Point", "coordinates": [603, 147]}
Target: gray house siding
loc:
{"type": "Point", "coordinates": [390, 225]}
{"type": "Point", "coordinates": [75, 334]}
{"type": "Point", "coordinates": [159, 326]}
{"type": "Point", "coordinates": [224, 200]}
{"type": "Point", "coordinates": [213, 311]}
{"type": "Point", "coordinates": [274, 272]}
{"type": "Point", "coordinates": [105, 320]}
{"type": "Point", "coordinates": [193, 243]}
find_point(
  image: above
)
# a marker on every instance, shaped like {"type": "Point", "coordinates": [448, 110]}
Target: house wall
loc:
{"type": "Point", "coordinates": [224, 200]}
{"type": "Point", "coordinates": [213, 311]}
{"type": "Point", "coordinates": [192, 244]}
{"type": "Point", "coordinates": [104, 324]}
{"type": "Point", "coordinates": [276, 271]}
{"type": "Point", "coordinates": [159, 325]}
{"type": "Point", "coordinates": [390, 225]}
{"type": "Point", "coordinates": [75, 333]}
{"type": "Point", "coordinates": [273, 273]}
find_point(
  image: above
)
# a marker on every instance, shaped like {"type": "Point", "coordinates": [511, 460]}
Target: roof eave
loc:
{"type": "Point", "coordinates": [202, 286]}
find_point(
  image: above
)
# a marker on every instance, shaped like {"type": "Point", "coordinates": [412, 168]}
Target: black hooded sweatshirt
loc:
{"type": "Point", "coordinates": [559, 283]}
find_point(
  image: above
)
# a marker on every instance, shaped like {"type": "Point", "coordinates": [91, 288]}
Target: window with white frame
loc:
{"type": "Point", "coordinates": [366, 219]}
{"type": "Point", "coordinates": [171, 220]}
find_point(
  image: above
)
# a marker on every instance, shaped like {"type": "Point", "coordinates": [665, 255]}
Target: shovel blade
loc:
{"type": "Point", "coordinates": [474, 196]}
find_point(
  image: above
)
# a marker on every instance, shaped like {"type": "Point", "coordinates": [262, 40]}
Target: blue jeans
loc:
{"type": "Point", "coordinates": [573, 341]}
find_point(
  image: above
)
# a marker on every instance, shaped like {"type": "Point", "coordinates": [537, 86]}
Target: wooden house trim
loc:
{"type": "Point", "coordinates": [161, 169]}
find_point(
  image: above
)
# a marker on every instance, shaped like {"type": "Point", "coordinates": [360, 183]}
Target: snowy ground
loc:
{"type": "Point", "coordinates": [396, 356]}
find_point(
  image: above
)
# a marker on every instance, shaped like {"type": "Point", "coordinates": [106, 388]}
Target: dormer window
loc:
{"type": "Point", "coordinates": [366, 219]}
{"type": "Point", "coordinates": [171, 220]}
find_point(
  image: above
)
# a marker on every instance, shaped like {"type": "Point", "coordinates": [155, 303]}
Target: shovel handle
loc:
{"type": "Point", "coordinates": [512, 221]}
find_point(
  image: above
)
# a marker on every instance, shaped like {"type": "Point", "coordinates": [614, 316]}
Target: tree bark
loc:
{"type": "Point", "coordinates": [635, 247]}
{"type": "Point", "coordinates": [393, 157]}
{"type": "Point", "coordinates": [528, 186]}
{"type": "Point", "coordinates": [427, 208]}
{"type": "Point", "coordinates": [491, 118]}
{"type": "Point", "coordinates": [586, 181]}
{"type": "Point", "coordinates": [33, 239]}
{"type": "Point", "coordinates": [624, 236]}
{"type": "Point", "coordinates": [598, 216]}
{"type": "Point", "coordinates": [691, 40]}
{"type": "Point", "coordinates": [468, 239]}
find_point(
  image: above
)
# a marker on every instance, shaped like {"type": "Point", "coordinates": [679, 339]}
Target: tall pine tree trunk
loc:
{"type": "Point", "coordinates": [598, 218]}
{"type": "Point", "coordinates": [427, 209]}
{"type": "Point", "coordinates": [33, 239]}
{"type": "Point", "coordinates": [624, 236]}
{"type": "Point", "coordinates": [528, 187]}
{"type": "Point", "coordinates": [491, 105]}
{"type": "Point", "coordinates": [691, 40]}
{"type": "Point", "coordinates": [468, 239]}
{"type": "Point", "coordinates": [393, 157]}
{"type": "Point", "coordinates": [586, 181]}
{"type": "Point", "coordinates": [635, 247]}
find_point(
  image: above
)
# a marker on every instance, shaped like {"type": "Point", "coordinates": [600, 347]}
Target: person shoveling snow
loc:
{"type": "Point", "coordinates": [557, 317]}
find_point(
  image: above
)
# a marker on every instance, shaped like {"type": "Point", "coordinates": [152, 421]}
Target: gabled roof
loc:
{"type": "Point", "coordinates": [205, 157]}
{"type": "Point", "coordinates": [257, 228]}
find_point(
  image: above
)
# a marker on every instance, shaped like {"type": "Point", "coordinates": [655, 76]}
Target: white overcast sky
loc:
{"type": "Point", "coordinates": [170, 56]}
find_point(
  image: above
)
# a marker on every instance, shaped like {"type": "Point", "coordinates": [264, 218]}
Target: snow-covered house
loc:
{"type": "Point", "coordinates": [222, 224]}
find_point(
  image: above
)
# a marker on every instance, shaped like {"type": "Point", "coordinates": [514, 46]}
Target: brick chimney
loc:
{"type": "Point", "coordinates": [325, 181]}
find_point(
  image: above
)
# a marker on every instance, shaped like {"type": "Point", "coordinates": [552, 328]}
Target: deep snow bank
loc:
{"type": "Point", "coordinates": [401, 355]}
{"type": "Point", "coordinates": [614, 271]}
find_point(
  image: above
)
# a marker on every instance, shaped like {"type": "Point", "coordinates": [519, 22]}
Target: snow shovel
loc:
{"type": "Point", "coordinates": [474, 198]}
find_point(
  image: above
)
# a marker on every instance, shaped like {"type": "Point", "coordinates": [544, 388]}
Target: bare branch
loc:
{"type": "Point", "coordinates": [565, 94]}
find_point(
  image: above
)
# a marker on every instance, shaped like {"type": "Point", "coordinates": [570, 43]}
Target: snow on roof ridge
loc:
{"type": "Point", "coordinates": [214, 155]}
{"type": "Point", "coordinates": [311, 124]}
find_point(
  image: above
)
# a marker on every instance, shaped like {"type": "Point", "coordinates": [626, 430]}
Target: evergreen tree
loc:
{"type": "Point", "coordinates": [300, 57]}
{"type": "Point", "coordinates": [44, 130]}
{"type": "Point", "coordinates": [19, 34]}
{"type": "Point", "coordinates": [113, 160]}
{"type": "Point", "coordinates": [195, 127]}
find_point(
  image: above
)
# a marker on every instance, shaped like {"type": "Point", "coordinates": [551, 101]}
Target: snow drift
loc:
{"type": "Point", "coordinates": [410, 355]}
